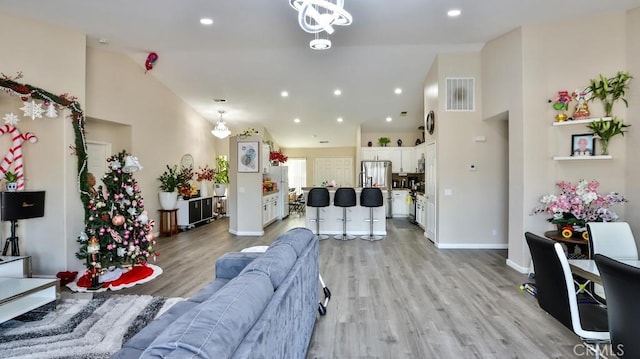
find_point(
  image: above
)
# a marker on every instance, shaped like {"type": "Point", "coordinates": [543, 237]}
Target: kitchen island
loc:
{"type": "Point", "coordinates": [357, 216]}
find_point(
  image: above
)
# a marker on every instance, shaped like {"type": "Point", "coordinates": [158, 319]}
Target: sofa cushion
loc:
{"type": "Point", "coordinates": [229, 265]}
{"type": "Point", "coordinates": [208, 290]}
{"type": "Point", "coordinates": [144, 337]}
{"type": "Point", "coordinates": [276, 262]}
{"type": "Point", "coordinates": [215, 327]}
{"type": "Point", "coordinates": [297, 238]}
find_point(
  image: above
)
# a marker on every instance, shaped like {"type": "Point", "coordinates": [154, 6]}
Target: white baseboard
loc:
{"type": "Point", "coordinates": [517, 267]}
{"type": "Point", "coordinates": [242, 233]}
{"type": "Point", "coordinates": [472, 245]}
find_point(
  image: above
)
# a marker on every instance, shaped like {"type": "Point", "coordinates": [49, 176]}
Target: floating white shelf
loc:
{"type": "Point", "coordinates": [578, 122]}
{"type": "Point", "coordinates": [581, 158]}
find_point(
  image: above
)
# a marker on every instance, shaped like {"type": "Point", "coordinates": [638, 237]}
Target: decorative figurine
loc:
{"type": "Point", "coordinates": [399, 143]}
{"type": "Point", "coordinates": [582, 109]}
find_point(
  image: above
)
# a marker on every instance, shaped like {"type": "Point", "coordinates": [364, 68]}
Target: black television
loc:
{"type": "Point", "coordinates": [21, 205]}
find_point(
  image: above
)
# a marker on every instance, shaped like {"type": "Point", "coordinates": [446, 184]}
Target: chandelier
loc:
{"type": "Point", "coordinates": [221, 130]}
{"type": "Point", "coordinates": [315, 16]}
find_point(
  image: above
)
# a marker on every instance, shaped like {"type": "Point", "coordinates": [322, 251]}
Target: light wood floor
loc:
{"type": "Point", "coordinates": [396, 298]}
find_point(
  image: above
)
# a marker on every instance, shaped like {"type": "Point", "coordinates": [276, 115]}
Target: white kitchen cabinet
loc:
{"type": "Point", "coordinates": [265, 163]}
{"type": "Point", "coordinates": [369, 154]}
{"type": "Point", "coordinates": [421, 210]}
{"type": "Point", "coordinates": [400, 206]}
{"type": "Point", "coordinates": [269, 209]}
{"type": "Point", "coordinates": [408, 162]}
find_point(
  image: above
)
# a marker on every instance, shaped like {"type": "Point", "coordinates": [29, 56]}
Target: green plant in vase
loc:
{"type": "Point", "coordinates": [383, 141]}
{"type": "Point", "coordinates": [605, 130]}
{"type": "Point", "coordinates": [610, 90]}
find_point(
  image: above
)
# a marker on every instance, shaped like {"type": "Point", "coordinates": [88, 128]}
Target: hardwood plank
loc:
{"type": "Point", "coordinates": [396, 298]}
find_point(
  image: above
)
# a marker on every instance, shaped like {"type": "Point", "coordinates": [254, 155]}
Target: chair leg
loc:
{"type": "Point", "coordinates": [370, 236]}
{"type": "Point", "coordinates": [344, 236]}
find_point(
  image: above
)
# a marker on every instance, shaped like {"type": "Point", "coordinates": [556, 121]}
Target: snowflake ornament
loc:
{"type": "Point", "coordinates": [32, 109]}
{"type": "Point", "coordinates": [11, 119]}
{"type": "Point", "coordinates": [115, 165]}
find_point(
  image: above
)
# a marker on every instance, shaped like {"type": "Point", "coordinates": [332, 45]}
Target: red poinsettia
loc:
{"type": "Point", "coordinates": [277, 156]}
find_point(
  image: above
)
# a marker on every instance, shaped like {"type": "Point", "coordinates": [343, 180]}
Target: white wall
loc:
{"type": "Point", "coordinates": [50, 58]}
{"type": "Point", "coordinates": [632, 138]}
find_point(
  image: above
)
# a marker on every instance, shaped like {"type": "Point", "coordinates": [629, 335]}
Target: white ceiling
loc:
{"type": "Point", "coordinates": [256, 49]}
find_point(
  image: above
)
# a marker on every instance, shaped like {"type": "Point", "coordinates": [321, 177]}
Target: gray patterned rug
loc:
{"type": "Point", "coordinates": [80, 328]}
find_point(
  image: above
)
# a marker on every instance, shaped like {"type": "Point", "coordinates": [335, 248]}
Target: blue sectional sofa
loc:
{"type": "Point", "coordinates": [261, 305]}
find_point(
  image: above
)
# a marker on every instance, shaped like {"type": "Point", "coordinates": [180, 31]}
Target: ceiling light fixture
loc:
{"type": "Point", "coordinates": [389, 119]}
{"type": "Point", "coordinates": [221, 130]}
{"type": "Point", "coordinates": [296, 120]}
{"type": "Point", "coordinates": [398, 91]}
{"type": "Point", "coordinates": [284, 94]}
{"type": "Point", "coordinates": [206, 21]}
{"type": "Point", "coordinates": [453, 13]}
{"type": "Point", "coordinates": [337, 92]}
{"type": "Point", "coordinates": [320, 15]}
{"type": "Point", "coordinates": [340, 119]}
{"type": "Point", "coordinates": [319, 43]}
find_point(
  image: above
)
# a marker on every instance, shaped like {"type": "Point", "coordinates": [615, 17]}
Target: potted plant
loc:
{"type": "Point", "coordinates": [171, 181]}
{"type": "Point", "coordinates": [277, 157]}
{"type": "Point", "coordinates": [383, 141]}
{"type": "Point", "coordinates": [12, 181]}
{"type": "Point", "coordinates": [610, 90]}
{"type": "Point", "coordinates": [203, 176]}
{"type": "Point", "coordinates": [221, 176]}
{"type": "Point", "coordinates": [604, 130]}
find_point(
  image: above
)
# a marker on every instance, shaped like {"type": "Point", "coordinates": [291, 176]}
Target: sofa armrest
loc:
{"type": "Point", "coordinates": [229, 265]}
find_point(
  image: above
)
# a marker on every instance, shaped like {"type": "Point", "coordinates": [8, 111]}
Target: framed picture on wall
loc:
{"type": "Point", "coordinates": [248, 159]}
{"type": "Point", "coordinates": [583, 145]}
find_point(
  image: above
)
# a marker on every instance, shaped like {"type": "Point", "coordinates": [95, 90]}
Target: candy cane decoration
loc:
{"type": "Point", "coordinates": [15, 152]}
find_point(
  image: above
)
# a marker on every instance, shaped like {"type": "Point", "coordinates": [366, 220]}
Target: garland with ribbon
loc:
{"type": "Point", "coordinates": [26, 92]}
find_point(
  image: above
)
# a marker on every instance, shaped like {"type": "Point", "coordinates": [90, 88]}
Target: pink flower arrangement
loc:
{"type": "Point", "coordinates": [579, 203]}
{"type": "Point", "coordinates": [561, 102]}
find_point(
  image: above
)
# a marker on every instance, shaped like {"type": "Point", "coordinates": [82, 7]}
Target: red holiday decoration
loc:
{"type": "Point", "coordinates": [151, 60]}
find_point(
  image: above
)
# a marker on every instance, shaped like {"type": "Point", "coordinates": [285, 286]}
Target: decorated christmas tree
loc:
{"type": "Point", "coordinates": [118, 233]}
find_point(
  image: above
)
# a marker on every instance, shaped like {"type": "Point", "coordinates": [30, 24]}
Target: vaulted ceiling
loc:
{"type": "Point", "coordinates": [255, 50]}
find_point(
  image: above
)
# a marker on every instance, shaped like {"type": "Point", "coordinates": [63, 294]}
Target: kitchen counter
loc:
{"type": "Point", "coordinates": [356, 216]}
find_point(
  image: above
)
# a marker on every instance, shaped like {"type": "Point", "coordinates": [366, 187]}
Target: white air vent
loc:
{"type": "Point", "coordinates": [460, 94]}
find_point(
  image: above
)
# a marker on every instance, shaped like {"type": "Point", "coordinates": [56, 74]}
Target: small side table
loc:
{"type": "Point", "coordinates": [168, 222]}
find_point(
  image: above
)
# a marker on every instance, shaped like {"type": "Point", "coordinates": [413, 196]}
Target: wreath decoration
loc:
{"type": "Point", "coordinates": [65, 101]}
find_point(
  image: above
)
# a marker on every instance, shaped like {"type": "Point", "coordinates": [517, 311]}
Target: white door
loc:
{"type": "Point", "coordinates": [430, 192]}
{"type": "Point", "coordinates": [339, 169]}
{"type": "Point", "coordinates": [97, 153]}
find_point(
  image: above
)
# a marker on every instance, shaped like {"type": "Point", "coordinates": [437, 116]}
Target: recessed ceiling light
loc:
{"type": "Point", "coordinates": [453, 13]}
{"type": "Point", "coordinates": [296, 120]}
{"type": "Point", "coordinates": [206, 21]}
{"type": "Point", "coordinates": [103, 41]}
{"type": "Point", "coordinates": [337, 92]}
{"type": "Point", "coordinates": [389, 119]}
{"type": "Point", "coordinates": [219, 100]}
{"type": "Point", "coordinates": [398, 91]}
{"type": "Point", "coordinates": [284, 94]}
{"type": "Point", "coordinates": [340, 119]}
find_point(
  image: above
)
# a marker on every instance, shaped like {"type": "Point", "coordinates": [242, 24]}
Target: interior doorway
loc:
{"type": "Point", "coordinates": [97, 153]}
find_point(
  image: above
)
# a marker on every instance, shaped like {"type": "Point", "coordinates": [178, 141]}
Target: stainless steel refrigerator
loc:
{"type": "Point", "coordinates": [378, 174]}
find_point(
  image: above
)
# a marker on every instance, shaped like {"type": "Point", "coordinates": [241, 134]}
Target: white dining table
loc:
{"type": "Point", "coordinates": [587, 268]}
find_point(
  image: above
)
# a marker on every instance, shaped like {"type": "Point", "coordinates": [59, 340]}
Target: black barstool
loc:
{"type": "Point", "coordinates": [344, 197]}
{"type": "Point", "coordinates": [318, 197]}
{"type": "Point", "coordinates": [371, 197]}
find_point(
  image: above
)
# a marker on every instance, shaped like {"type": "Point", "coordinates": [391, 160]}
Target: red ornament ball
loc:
{"type": "Point", "coordinates": [118, 220]}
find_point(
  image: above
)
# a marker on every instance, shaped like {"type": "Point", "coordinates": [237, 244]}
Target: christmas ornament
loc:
{"type": "Point", "coordinates": [151, 60]}
{"type": "Point", "coordinates": [11, 119]}
{"type": "Point", "coordinates": [118, 220]}
{"type": "Point", "coordinates": [15, 153]}
{"type": "Point", "coordinates": [51, 111]}
{"type": "Point", "coordinates": [32, 109]}
{"type": "Point", "coordinates": [143, 218]}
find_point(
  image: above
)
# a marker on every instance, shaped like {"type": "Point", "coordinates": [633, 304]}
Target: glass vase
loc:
{"type": "Point", "coordinates": [604, 145]}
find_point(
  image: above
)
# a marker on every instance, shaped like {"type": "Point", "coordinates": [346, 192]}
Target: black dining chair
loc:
{"type": "Point", "coordinates": [556, 294]}
{"type": "Point", "coordinates": [622, 287]}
